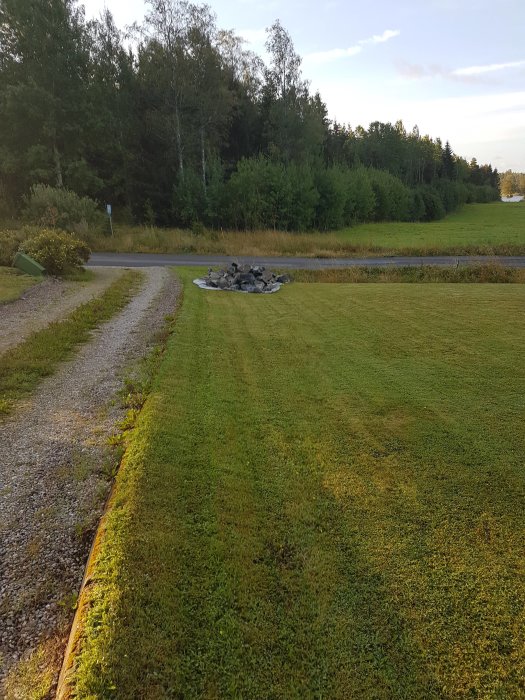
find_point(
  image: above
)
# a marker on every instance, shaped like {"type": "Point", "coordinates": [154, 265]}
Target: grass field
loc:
{"type": "Point", "coordinates": [323, 498]}
{"type": "Point", "coordinates": [13, 283]}
{"type": "Point", "coordinates": [496, 228]}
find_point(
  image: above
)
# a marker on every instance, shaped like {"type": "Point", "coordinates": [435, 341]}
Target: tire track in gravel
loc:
{"type": "Point", "coordinates": [46, 302]}
{"type": "Point", "coordinates": [52, 486]}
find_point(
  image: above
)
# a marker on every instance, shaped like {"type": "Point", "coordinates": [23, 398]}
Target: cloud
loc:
{"type": "Point", "coordinates": [381, 38]}
{"type": "Point", "coordinates": [473, 74]}
{"type": "Point", "coordinates": [319, 57]}
{"type": "Point", "coordinates": [252, 36]}
{"type": "Point", "coordinates": [417, 71]}
{"type": "Point", "coordinates": [332, 55]}
{"type": "Point", "coordinates": [480, 70]}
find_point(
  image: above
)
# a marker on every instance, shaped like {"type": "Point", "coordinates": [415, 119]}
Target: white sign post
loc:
{"type": "Point", "coordinates": [108, 210]}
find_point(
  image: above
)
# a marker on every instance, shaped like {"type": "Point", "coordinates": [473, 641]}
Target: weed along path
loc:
{"type": "Point", "coordinates": [47, 302]}
{"type": "Point", "coordinates": [55, 468]}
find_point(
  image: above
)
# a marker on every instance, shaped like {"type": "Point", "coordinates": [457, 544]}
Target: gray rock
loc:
{"type": "Point", "coordinates": [256, 279]}
{"type": "Point", "coordinates": [267, 276]}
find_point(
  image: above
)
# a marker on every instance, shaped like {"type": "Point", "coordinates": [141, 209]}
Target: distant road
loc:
{"type": "Point", "coordinates": [151, 259]}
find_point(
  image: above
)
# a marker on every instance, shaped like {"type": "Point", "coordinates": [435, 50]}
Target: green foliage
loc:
{"type": "Point", "coordinates": [434, 208]}
{"type": "Point", "coordinates": [331, 187]}
{"type": "Point", "coordinates": [188, 125]}
{"type": "Point", "coordinates": [188, 199]}
{"type": "Point", "coordinates": [392, 198]}
{"type": "Point", "coordinates": [360, 197]}
{"type": "Point", "coordinates": [417, 206]}
{"type": "Point", "coordinates": [10, 241]}
{"type": "Point", "coordinates": [58, 252]}
{"type": "Point", "coordinates": [304, 197]}
{"type": "Point", "coordinates": [52, 206]}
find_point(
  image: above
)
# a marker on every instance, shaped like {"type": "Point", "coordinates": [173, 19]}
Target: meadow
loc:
{"type": "Point", "coordinates": [484, 229]}
{"type": "Point", "coordinates": [322, 497]}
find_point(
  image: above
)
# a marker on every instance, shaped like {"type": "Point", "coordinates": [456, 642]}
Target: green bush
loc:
{"type": "Point", "coordinates": [360, 198]}
{"type": "Point", "coordinates": [393, 198]}
{"type": "Point", "coordinates": [434, 208]}
{"type": "Point", "coordinates": [331, 187]}
{"type": "Point", "coordinates": [52, 207]}
{"type": "Point", "coordinates": [9, 244]}
{"type": "Point", "coordinates": [57, 251]}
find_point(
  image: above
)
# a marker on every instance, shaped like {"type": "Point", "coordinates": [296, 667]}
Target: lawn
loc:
{"type": "Point", "coordinates": [13, 283]}
{"type": "Point", "coordinates": [496, 228]}
{"type": "Point", "coordinates": [323, 498]}
{"type": "Point", "coordinates": [479, 226]}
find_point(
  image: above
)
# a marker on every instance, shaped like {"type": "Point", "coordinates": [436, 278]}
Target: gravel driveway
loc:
{"type": "Point", "coordinates": [46, 302]}
{"type": "Point", "coordinates": [54, 474]}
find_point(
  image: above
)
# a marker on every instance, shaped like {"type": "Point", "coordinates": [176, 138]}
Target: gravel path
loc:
{"type": "Point", "coordinates": [54, 475]}
{"type": "Point", "coordinates": [46, 302]}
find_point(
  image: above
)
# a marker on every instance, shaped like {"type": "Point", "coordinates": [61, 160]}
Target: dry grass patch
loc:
{"type": "Point", "coordinates": [478, 229]}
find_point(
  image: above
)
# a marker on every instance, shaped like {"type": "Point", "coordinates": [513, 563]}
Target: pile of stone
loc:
{"type": "Point", "coordinates": [243, 278]}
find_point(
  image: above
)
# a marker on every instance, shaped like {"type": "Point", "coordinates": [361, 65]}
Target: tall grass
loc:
{"type": "Point", "coordinates": [491, 273]}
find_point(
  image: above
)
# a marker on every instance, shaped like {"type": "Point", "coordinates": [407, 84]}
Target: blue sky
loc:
{"type": "Point", "coordinates": [456, 68]}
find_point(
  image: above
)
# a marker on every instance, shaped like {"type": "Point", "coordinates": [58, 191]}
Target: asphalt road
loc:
{"type": "Point", "coordinates": [151, 260]}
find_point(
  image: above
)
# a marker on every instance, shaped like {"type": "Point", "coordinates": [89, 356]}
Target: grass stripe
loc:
{"type": "Point", "coordinates": [24, 366]}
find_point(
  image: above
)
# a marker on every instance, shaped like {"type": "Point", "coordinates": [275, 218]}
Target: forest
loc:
{"type": "Point", "coordinates": [176, 123]}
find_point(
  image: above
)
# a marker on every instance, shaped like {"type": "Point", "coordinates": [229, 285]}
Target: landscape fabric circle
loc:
{"type": "Point", "coordinates": [202, 285]}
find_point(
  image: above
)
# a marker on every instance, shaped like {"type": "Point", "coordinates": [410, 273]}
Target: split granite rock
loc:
{"type": "Point", "coordinates": [245, 278]}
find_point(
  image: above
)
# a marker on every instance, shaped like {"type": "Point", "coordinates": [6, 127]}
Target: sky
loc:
{"type": "Point", "coordinates": [454, 68]}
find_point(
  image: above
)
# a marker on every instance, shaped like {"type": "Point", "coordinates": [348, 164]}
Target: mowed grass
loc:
{"type": "Point", "coordinates": [323, 498]}
{"type": "Point", "coordinates": [25, 365]}
{"type": "Point", "coordinates": [13, 284]}
{"type": "Point", "coordinates": [484, 229]}
{"type": "Point", "coordinates": [498, 227]}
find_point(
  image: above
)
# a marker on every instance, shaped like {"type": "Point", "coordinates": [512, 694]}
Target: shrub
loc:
{"type": "Point", "coordinates": [9, 244]}
{"type": "Point", "coordinates": [360, 198]}
{"type": "Point", "coordinates": [331, 187]}
{"type": "Point", "coordinates": [53, 207]}
{"type": "Point", "coordinates": [393, 199]}
{"type": "Point", "coordinates": [58, 252]}
{"type": "Point", "coordinates": [304, 197]}
{"type": "Point", "coordinates": [434, 208]}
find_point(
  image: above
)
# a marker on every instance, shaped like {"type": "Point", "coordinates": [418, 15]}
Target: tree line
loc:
{"type": "Point", "coordinates": [512, 183]}
{"type": "Point", "coordinates": [176, 123]}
